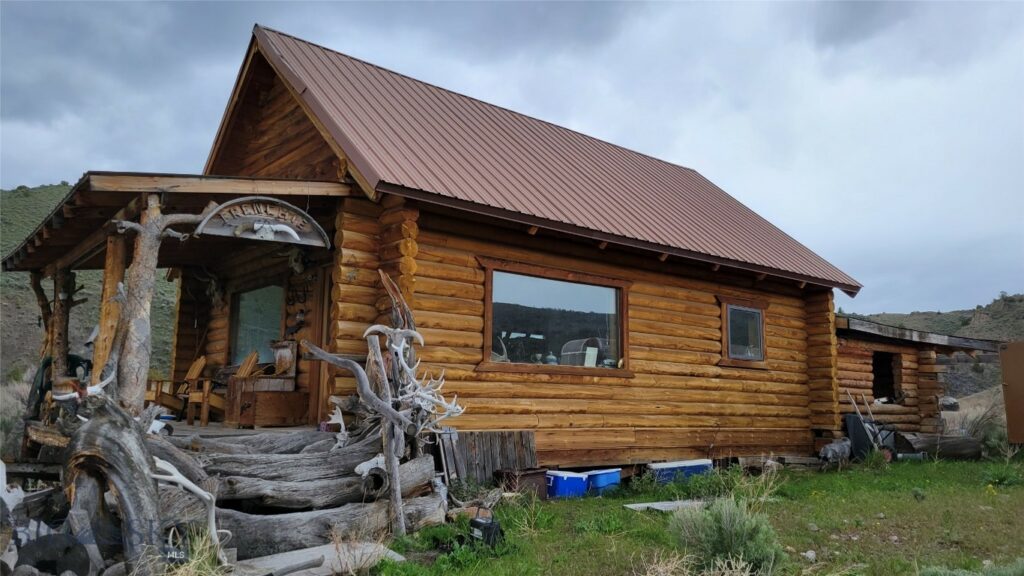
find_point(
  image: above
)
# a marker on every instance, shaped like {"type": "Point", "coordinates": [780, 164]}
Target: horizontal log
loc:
{"type": "Point", "coordinates": [352, 240]}
{"type": "Point", "coordinates": [665, 329]}
{"type": "Point", "coordinates": [521, 390]}
{"type": "Point", "coordinates": [566, 422]}
{"type": "Point", "coordinates": [343, 274]}
{"type": "Point", "coordinates": [674, 318]}
{"type": "Point", "coordinates": [648, 407]}
{"type": "Point", "coordinates": [676, 343]}
{"type": "Point", "coordinates": [454, 338]}
{"type": "Point", "coordinates": [446, 321]}
{"type": "Point", "coordinates": [448, 288]}
{"type": "Point", "coordinates": [450, 354]}
{"type": "Point", "coordinates": [473, 275]}
{"type": "Point", "coordinates": [668, 355]}
{"type": "Point", "coordinates": [641, 300]}
{"type": "Point", "coordinates": [293, 467]}
{"type": "Point", "coordinates": [415, 475]}
{"type": "Point", "coordinates": [262, 535]}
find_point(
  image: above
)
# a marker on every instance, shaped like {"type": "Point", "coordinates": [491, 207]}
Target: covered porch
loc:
{"type": "Point", "coordinates": [248, 286]}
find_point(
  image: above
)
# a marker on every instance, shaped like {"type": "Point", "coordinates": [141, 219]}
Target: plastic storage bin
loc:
{"type": "Point", "coordinates": [600, 481]}
{"type": "Point", "coordinates": [666, 472]}
{"type": "Point", "coordinates": [566, 484]}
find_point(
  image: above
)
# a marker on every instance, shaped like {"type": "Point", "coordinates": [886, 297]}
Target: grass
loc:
{"type": "Point", "coordinates": [904, 518]}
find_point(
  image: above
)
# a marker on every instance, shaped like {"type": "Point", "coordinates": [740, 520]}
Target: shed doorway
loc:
{"type": "Point", "coordinates": [886, 372]}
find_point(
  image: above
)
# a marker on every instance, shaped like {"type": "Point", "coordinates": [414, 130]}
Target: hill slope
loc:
{"type": "Point", "coordinates": [1002, 319]}
{"type": "Point", "coordinates": [21, 210]}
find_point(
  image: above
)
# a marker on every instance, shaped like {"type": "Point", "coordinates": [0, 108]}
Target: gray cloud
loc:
{"type": "Point", "coordinates": [887, 137]}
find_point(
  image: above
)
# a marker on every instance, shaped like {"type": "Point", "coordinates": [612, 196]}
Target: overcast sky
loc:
{"type": "Point", "coordinates": [889, 138]}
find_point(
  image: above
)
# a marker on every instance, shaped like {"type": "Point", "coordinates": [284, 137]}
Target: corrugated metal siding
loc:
{"type": "Point", "coordinates": [404, 132]}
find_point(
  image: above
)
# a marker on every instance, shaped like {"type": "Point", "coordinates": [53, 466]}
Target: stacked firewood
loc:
{"type": "Point", "coordinates": [128, 491]}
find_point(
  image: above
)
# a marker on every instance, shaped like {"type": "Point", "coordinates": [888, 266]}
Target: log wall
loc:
{"type": "Point", "coordinates": [678, 404]}
{"type": "Point", "coordinates": [192, 328]}
{"type": "Point", "coordinates": [822, 359]}
{"type": "Point", "coordinates": [270, 135]}
{"type": "Point", "coordinates": [929, 389]}
{"type": "Point", "coordinates": [854, 377]}
{"type": "Point", "coordinates": [355, 286]}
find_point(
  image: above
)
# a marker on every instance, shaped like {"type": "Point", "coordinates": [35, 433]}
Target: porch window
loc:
{"type": "Point", "coordinates": [547, 320]}
{"type": "Point", "coordinates": [256, 322]}
{"type": "Point", "coordinates": [743, 343]}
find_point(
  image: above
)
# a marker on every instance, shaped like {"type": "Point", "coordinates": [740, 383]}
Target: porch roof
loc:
{"type": "Point", "coordinates": [849, 325]}
{"type": "Point", "coordinates": [73, 234]}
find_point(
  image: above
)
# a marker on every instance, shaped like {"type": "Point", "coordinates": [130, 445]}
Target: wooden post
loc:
{"type": "Point", "coordinates": [63, 292]}
{"type": "Point", "coordinates": [110, 311]}
{"type": "Point", "coordinates": [134, 338]}
{"type": "Point", "coordinates": [45, 312]}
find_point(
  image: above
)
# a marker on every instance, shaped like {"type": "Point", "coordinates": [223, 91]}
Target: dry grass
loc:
{"type": "Point", "coordinates": [13, 398]}
{"type": "Point", "coordinates": [977, 413]}
{"type": "Point", "coordinates": [675, 564]}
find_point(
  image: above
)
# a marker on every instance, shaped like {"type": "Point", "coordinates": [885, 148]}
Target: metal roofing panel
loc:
{"type": "Point", "coordinates": [401, 133]}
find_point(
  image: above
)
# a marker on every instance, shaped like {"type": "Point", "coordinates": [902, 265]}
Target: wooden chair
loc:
{"type": "Point", "coordinates": [203, 395]}
{"type": "Point", "coordinates": [173, 394]}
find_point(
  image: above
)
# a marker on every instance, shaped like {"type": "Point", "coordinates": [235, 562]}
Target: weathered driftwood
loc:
{"type": "Point", "coordinates": [950, 447]}
{"type": "Point", "coordinates": [338, 558]}
{"type": "Point", "coordinates": [262, 535]}
{"type": "Point", "coordinates": [186, 462]}
{"type": "Point", "coordinates": [180, 508]}
{"type": "Point", "coordinates": [134, 340]}
{"type": "Point", "coordinates": [263, 443]}
{"type": "Point", "coordinates": [109, 448]}
{"type": "Point", "coordinates": [414, 476]}
{"type": "Point", "coordinates": [293, 467]}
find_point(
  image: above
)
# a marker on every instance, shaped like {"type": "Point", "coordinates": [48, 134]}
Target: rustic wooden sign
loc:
{"type": "Point", "coordinates": [264, 218]}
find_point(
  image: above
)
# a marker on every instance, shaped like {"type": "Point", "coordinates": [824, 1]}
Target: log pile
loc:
{"type": "Point", "coordinates": [127, 491]}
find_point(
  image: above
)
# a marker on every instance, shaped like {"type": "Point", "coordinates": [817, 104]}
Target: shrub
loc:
{"type": "Point", "coordinates": [1003, 474]}
{"type": "Point", "coordinates": [875, 460]}
{"type": "Point", "coordinates": [727, 530]}
{"type": "Point", "coordinates": [526, 514]}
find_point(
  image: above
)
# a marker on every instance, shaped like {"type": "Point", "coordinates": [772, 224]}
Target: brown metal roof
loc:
{"type": "Point", "coordinates": [409, 137]}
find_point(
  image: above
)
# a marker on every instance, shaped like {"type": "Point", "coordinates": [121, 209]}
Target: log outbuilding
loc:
{"type": "Point", "coordinates": [623, 308]}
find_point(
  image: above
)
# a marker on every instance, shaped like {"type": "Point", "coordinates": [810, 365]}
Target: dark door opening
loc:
{"type": "Point", "coordinates": [886, 376]}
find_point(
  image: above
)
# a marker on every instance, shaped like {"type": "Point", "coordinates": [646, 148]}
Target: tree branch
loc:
{"type": "Point", "coordinates": [123, 226]}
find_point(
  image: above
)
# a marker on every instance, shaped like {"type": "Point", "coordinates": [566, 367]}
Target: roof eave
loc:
{"type": "Point", "coordinates": [528, 220]}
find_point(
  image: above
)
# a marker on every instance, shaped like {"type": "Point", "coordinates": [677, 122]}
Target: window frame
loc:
{"type": "Point", "coordinates": [491, 265]}
{"type": "Point", "coordinates": [233, 309]}
{"type": "Point", "coordinates": [760, 306]}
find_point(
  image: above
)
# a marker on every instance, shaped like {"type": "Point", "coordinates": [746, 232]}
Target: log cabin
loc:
{"type": "Point", "coordinates": [623, 308]}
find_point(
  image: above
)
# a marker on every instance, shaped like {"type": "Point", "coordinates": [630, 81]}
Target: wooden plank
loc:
{"type": "Point", "coordinates": [192, 184]}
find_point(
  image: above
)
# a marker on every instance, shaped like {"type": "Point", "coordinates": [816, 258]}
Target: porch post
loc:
{"type": "Point", "coordinates": [63, 293]}
{"type": "Point", "coordinates": [113, 273]}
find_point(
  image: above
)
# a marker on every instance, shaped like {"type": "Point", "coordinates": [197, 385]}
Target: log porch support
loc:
{"type": "Point", "coordinates": [114, 263]}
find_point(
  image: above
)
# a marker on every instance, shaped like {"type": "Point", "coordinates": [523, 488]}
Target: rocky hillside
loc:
{"type": "Point", "coordinates": [21, 210]}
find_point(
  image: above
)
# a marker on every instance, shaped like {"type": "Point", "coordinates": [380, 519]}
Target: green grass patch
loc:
{"type": "Point", "coordinates": [904, 518]}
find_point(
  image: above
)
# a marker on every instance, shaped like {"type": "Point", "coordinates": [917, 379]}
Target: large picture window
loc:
{"type": "Point", "coordinates": [743, 343]}
{"type": "Point", "coordinates": [256, 322]}
{"type": "Point", "coordinates": [546, 320]}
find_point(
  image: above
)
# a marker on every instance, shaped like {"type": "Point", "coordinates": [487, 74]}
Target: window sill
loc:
{"type": "Point", "coordinates": [553, 369]}
{"type": "Point", "coordinates": [734, 363]}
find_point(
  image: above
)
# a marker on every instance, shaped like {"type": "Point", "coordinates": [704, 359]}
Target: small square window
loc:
{"type": "Point", "coordinates": [743, 343]}
{"type": "Point", "coordinates": [746, 342]}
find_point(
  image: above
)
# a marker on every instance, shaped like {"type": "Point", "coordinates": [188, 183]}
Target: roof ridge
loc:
{"type": "Point", "coordinates": [474, 98]}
